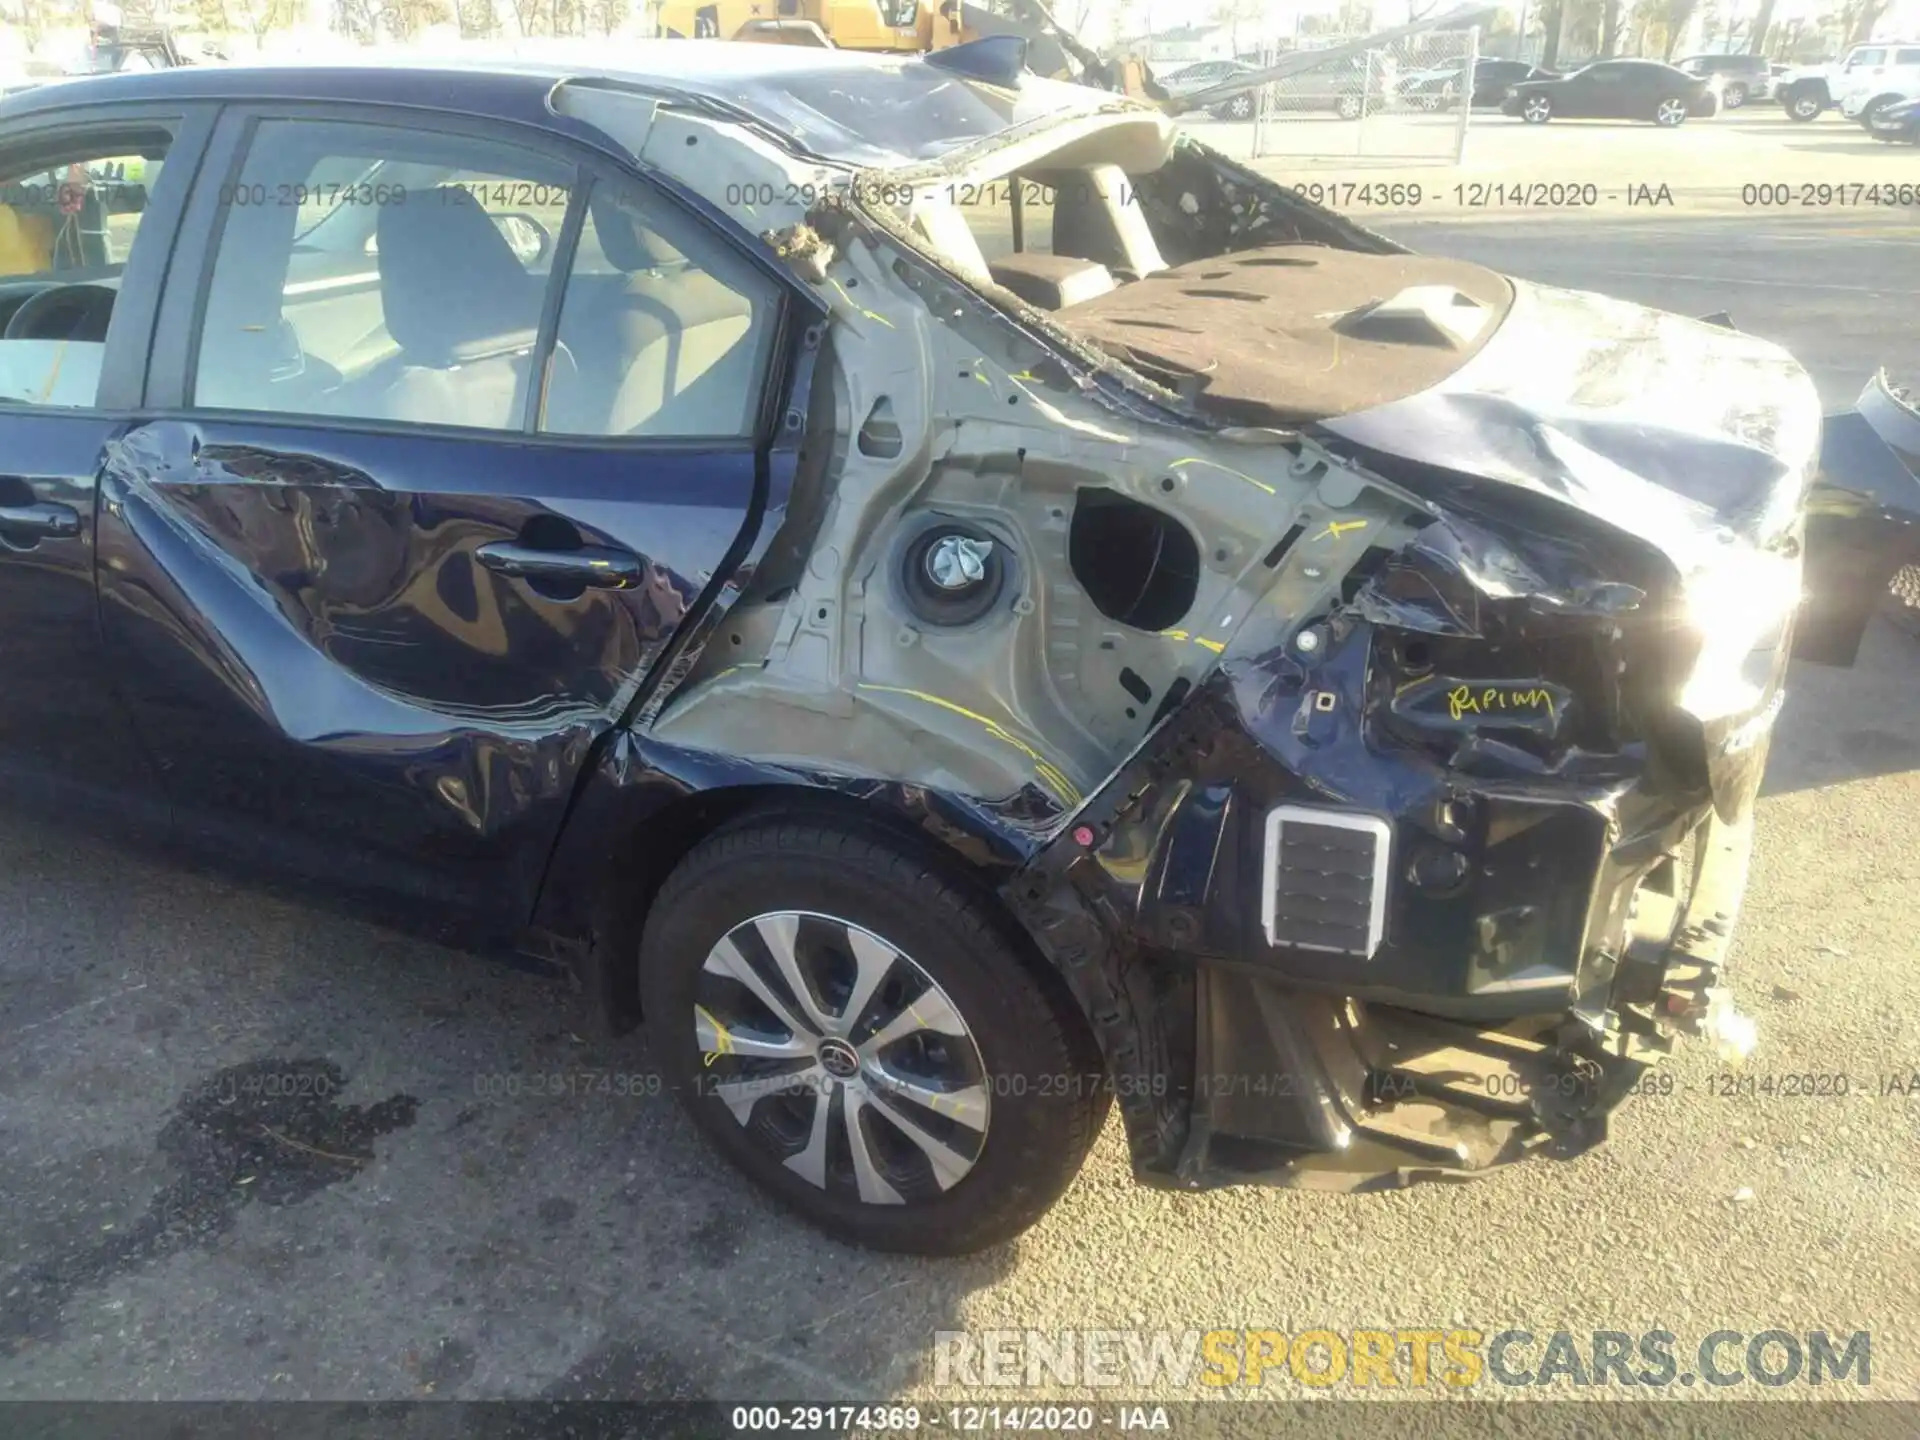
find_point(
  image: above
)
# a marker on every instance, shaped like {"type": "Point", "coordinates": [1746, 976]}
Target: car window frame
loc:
{"type": "Point", "coordinates": [567, 247]}
{"type": "Point", "coordinates": [183, 301]}
{"type": "Point", "coordinates": [136, 309]}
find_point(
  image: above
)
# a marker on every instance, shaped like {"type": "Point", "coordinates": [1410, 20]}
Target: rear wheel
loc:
{"type": "Point", "coordinates": [1348, 107]}
{"type": "Point", "coordinates": [862, 1037]}
{"type": "Point", "coordinates": [1670, 112]}
{"type": "Point", "coordinates": [1734, 96]}
{"type": "Point", "coordinates": [1536, 109]}
{"type": "Point", "coordinates": [1240, 107]}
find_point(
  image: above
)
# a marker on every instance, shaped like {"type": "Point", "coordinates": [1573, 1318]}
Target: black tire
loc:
{"type": "Point", "coordinates": [1670, 113]}
{"type": "Point", "coordinates": [1240, 107]}
{"type": "Point", "coordinates": [1349, 107]}
{"type": "Point", "coordinates": [1804, 105]}
{"type": "Point", "coordinates": [1536, 109]}
{"type": "Point", "coordinates": [1046, 1097]}
{"type": "Point", "coordinates": [1734, 96]}
{"type": "Point", "coordinates": [1875, 108]}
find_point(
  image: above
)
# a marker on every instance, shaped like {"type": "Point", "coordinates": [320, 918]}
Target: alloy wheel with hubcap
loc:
{"type": "Point", "coordinates": [1670, 112]}
{"type": "Point", "coordinates": [1805, 107]}
{"type": "Point", "coordinates": [864, 1034]}
{"type": "Point", "coordinates": [1536, 109]}
{"type": "Point", "coordinates": [837, 1052]}
{"type": "Point", "coordinates": [1348, 107]}
{"type": "Point", "coordinates": [1240, 107]}
{"type": "Point", "coordinates": [1734, 96]}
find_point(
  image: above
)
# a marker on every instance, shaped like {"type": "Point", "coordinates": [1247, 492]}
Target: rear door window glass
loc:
{"type": "Point", "coordinates": [381, 273]}
{"type": "Point", "coordinates": [665, 329]}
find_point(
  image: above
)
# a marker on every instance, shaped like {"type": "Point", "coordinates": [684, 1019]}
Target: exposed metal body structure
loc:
{"type": "Point", "coordinates": [1492, 609]}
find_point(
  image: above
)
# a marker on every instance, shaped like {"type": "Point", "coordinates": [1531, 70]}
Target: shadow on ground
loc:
{"type": "Point", "coordinates": [1846, 724]}
{"type": "Point", "coordinates": [251, 1150]}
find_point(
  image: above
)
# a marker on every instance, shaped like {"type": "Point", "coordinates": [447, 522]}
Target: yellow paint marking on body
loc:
{"type": "Point", "coordinates": [1201, 460]}
{"type": "Point", "coordinates": [858, 307]}
{"type": "Point", "coordinates": [1216, 646]}
{"type": "Point", "coordinates": [1336, 528]}
{"type": "Point", "coordinates": [1044, 769]}
{"type": "Point", "coordinates": [1462, 701]}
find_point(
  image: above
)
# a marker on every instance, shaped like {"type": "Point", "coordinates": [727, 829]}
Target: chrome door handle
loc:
{"type": "Point", "coordinates": [591, 565]}
{"type": "Point", "coordinates": [47, 519]}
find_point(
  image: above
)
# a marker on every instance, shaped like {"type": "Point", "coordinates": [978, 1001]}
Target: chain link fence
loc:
{"type": "Point", "coordinates": [1406, 102]}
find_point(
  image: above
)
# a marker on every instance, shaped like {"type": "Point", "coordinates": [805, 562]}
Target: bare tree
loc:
{"type": "Point", "coordinates": [1675, 15]}
{"type": "Point", "coordinates": [1231, 13]}
{"type": "Point", "coordinates": [1581, 26]}
{"type": "Point", "coordinates": [258, 18]}
{"type": "Point", "coordinates": [1551, 15]}
{"type": "Point", "coordinates": [1610, 28]}
{"type": "Point", "coordinates": [37, 17]}
{"type": "Point", "coordinates": [1866, 15]}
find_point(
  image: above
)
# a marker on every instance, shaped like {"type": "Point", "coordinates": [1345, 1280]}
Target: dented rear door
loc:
{"type": "Point", "coordinates": [380, 567]}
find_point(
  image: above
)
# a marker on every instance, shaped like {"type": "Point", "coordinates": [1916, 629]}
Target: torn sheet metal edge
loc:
{"type": "Point", "coordinates": [1358, 1111]}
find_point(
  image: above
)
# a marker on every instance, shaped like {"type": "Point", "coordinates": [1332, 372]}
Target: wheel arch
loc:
{"type": "Point", "coordinates": [648, 806]}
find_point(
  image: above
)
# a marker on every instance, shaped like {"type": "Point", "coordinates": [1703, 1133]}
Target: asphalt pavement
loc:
{"type": "Point", "coordinates": [252, 1150]}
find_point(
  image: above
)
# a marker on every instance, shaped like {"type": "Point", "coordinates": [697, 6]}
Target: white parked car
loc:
{"type": "Point", "coordinates": [1876, 78]}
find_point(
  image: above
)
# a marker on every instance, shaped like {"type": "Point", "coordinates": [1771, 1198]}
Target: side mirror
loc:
{"type": "Point", "coordinates": [531, 241]}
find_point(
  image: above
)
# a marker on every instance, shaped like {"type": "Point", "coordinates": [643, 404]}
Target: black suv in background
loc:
{"type": "Point", "coordinates": [1743, 77]}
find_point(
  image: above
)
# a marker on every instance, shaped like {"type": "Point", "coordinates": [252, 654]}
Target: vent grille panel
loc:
{"type": "Point", "coordinates": [1326, 875]}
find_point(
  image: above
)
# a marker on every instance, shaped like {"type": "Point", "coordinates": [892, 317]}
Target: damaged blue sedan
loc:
{"type": "Point", "coordinates": [951, 602]}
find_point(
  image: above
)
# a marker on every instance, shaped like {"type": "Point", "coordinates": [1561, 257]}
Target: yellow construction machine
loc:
{"type": "Point", "coordinates": [889, 27]}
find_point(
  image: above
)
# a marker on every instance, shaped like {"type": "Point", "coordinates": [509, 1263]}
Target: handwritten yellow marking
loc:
{"type": "Point", "coordinates": [858, 307]}
{"type": "Point", "coordinates": [1048, 774]}
{"type": "Point", "coordinates": [1462, 702]}
{"type": "Point", "coordinates": [1216, 646]}
{"type": "Point", "coordinates": [723, 1040]}
{"type": "Point", "coordinates": [1201, 460]}
{"type": "Point", "coordinates": [1336, 528]}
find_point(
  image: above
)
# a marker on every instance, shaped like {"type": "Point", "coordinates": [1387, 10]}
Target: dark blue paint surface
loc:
{"type": "Point", "coordinates": [315, 657]}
